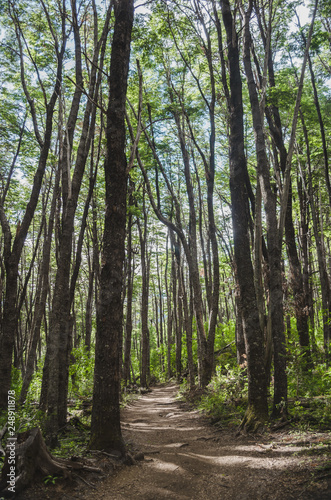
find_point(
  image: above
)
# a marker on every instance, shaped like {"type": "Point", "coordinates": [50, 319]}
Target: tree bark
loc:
{"type": "Point", "coordinates": [274, 243]}
{"type": "Point", "coordinates": [144, 379]}
{"type": "Point", "coordinates": [320, 250]}
{"type": "Point", "coordinates": [128, 326]}
{"type": "Point", "coordinates": [41, 296]}
{"type": "Point", "coordinates": [105, 426]}
{"type": "Point", "coordinates": [257, 389]}
{"type": "Point", "coordinates": [296, 277]}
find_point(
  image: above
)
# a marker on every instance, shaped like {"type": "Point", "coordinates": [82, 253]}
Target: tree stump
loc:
{"type": "Point", "coordinates": [27, 459]}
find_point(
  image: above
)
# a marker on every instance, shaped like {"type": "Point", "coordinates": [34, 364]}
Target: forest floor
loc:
{"type": "Point", "coordinates": [187, 458]}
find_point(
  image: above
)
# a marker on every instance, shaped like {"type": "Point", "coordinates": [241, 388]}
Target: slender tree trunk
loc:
{"type": "Point", "coordinates": [324, 278]}
{"type": "Point", "coordinates": [239, 334]}
{"type": "Point", "coordinates": [188, 328]}
{"type": "Point", "coordinates": [96, 251]}
{"type": "Point", "coordinates": [60, 341]}
{"type": "Point", "coordinates": [296, 278]}
{"type": "Point", "coordinates": [89, 305]}
{"type": "Point", "coordinates": [160, 301]}
{"type": "Point", "coordinates": [304, 238]}
{"type": "Point", "coordinates": [144, 379]}
{"type": "Point", "coordinates": [41, 298]}
{"type": "Point", "coordinates": [204, 368]}
{"type": "Point", "coordinates": [178, 306]}
{"type": "Point", "coordinates": [169, 317]}
{"type": "Point", "coordinates": [320, 118]}
{"type": "Point", "coordinates": [128, 326]}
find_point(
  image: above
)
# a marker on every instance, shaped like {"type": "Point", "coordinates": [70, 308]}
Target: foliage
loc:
{"type": "Point", "coordinates": [225, 398]}
{"type": "Point", "coordinates": [311, 413]}
{"type": "Point", "coordinates": [81, 372]}
{"type": "Point", "coordinates": [310, 392]}
{"type": "Point", "coordinates": [50, 479]}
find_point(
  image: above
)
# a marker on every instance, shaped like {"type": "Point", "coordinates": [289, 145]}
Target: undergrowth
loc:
{"type": "Point", "coordinates": [224, 400]}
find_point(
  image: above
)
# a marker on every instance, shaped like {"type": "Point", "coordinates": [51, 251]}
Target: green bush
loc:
{"type": "Point", "coordinates": [225, 399]}
{"type": "Point", "coordinates": [81, 372]}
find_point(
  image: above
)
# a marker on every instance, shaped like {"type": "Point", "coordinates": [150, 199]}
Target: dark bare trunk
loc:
{"type": "Point", "coordinates": [188, 316]}
{"type": "Point", "coordinates": [169, 315]}
{"type": "Point", "coordinates": [274, 242]}
{"type": "Point", "coordinates": [296, 278]}
{"type": "Point", "coordinates": [320, 250]}
{"type": "Point", "coordinates": [144, 378]}
{"type": "Point", "coordinates": [257, 388]}
{"type": "Point", "coordinates": [105, 426]}
{"type": "Point", "coordinates": [89, 307]}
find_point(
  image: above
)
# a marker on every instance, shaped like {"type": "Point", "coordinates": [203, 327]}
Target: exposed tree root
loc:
{"type": "Point", "coordinates": [32, 460]}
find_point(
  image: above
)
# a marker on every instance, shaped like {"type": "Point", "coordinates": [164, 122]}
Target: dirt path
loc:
{"type": "Point", "coordinates": [187, 459]}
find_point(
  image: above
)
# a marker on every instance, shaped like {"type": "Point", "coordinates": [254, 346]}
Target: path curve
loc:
{"type": "Point", "coordinates": [187, 459]}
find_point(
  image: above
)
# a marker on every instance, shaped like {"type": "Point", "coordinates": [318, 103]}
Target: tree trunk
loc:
{"type": "Point", "coordinates": [320, 250]}
{"type": "Point", "coordinates": [285, 218]}
{"type": "Point", "coordinates": [239, 334]}
{"type": "Point", "coordinates": [144, 379]}
{"type": "Point", "coordinates": [178, 305]}
{"type": "Point", "coordinates": [304, 239]}
{"type": "Point", "coordinates": [274, 242]}
{"type": "Point", "coordinates": [188, 328]}
{"type": "Point", "coordinates": [59, 342]}
{"type": "Point", "coordinates": [128, 326]}
{"type": "Point", "coordinates": [169, 317]}
{"type": "Point", "coordinates": [105, 426]}
{"type": "Point", "coordinates": [41, 296]}
{"type": "Point", "coordinates": [89, 305]}
{"type": "Point", "coordinates": [161, 313]}
{"type": "Point", "coordinates": [257, 389]}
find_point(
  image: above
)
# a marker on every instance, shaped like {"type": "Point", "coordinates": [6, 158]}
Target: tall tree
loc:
{"type": "Point", "coordinates": [280, 158]}
{"type": "Point", "coordinates": [257, 388]}
{"type": "Point", "coordinates": [105, 426]}
{"type": "Point", "coordinates": [274, 242]}
{"type": "Point", "coordinates": [145, 271]}
{"type": "Point", "coordinates": [130, 266]}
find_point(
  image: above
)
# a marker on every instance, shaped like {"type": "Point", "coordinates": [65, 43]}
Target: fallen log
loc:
{"type": "Point", "coordinates": [28, 460]}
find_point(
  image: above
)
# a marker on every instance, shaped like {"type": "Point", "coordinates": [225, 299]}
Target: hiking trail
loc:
{"type": "Point", "coordinates": [186, 458]}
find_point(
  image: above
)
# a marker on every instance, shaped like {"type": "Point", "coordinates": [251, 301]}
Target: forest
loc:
{"type": "Point", "coordinates": [165, 209]}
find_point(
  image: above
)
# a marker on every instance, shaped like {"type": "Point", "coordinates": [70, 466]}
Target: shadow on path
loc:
{"type": "Point", "coordinates": [187, 459]}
